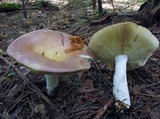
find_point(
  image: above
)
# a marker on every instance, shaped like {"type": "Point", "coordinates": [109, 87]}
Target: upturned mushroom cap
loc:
{"type": "Point", "coordinates": [50, 51]}
{"type": "Point", "coordinates": [129, 39]}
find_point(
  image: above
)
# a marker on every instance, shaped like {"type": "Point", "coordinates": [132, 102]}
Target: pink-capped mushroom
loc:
{"type": "Point", "coordinates": [51, 52]}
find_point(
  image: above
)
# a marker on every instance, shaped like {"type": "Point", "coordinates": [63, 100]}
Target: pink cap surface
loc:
{"type": "Point", "coordinates": [45, 51]}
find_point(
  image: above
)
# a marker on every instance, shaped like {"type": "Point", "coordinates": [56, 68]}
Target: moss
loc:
{"type": "Point", "coordinates": [9, 7]}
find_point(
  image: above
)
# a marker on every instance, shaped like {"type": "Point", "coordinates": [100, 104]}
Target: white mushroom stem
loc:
{"type": "Point", "coordinates": [120, 86]}
{"type": "Point", "coordinates": [52, 81]}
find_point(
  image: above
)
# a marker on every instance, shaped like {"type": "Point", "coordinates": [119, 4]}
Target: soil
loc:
{"type": "Point", "coordinates": [87, 95]}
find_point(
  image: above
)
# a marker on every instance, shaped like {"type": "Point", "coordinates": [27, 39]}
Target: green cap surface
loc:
{"type": "Point", "coordinates": [127, 38]}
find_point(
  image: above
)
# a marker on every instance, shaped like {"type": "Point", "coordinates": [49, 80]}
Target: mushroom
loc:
{"type": "Point", "coordinates": [128, 46]}
{"type": "Point", "coordinates": [50, 52]}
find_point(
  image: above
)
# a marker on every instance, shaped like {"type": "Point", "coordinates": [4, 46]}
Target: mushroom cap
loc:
{"type": "Point", "coordinates": [45, 51]}
{"type": "Point", "coordinates": [127, 38]}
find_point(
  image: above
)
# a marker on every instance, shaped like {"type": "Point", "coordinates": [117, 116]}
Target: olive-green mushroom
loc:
{"type": "Point", "coordinates": [127, 46]}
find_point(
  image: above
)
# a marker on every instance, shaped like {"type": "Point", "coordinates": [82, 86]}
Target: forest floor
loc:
{"type": "Point", "coordinates": [83, 96]}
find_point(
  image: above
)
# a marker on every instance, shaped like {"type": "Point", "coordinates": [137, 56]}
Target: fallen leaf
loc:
{"type": "Point", "coordinates": [40, 108]}
{"type": "Point", "coordinates": [87, 86]}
